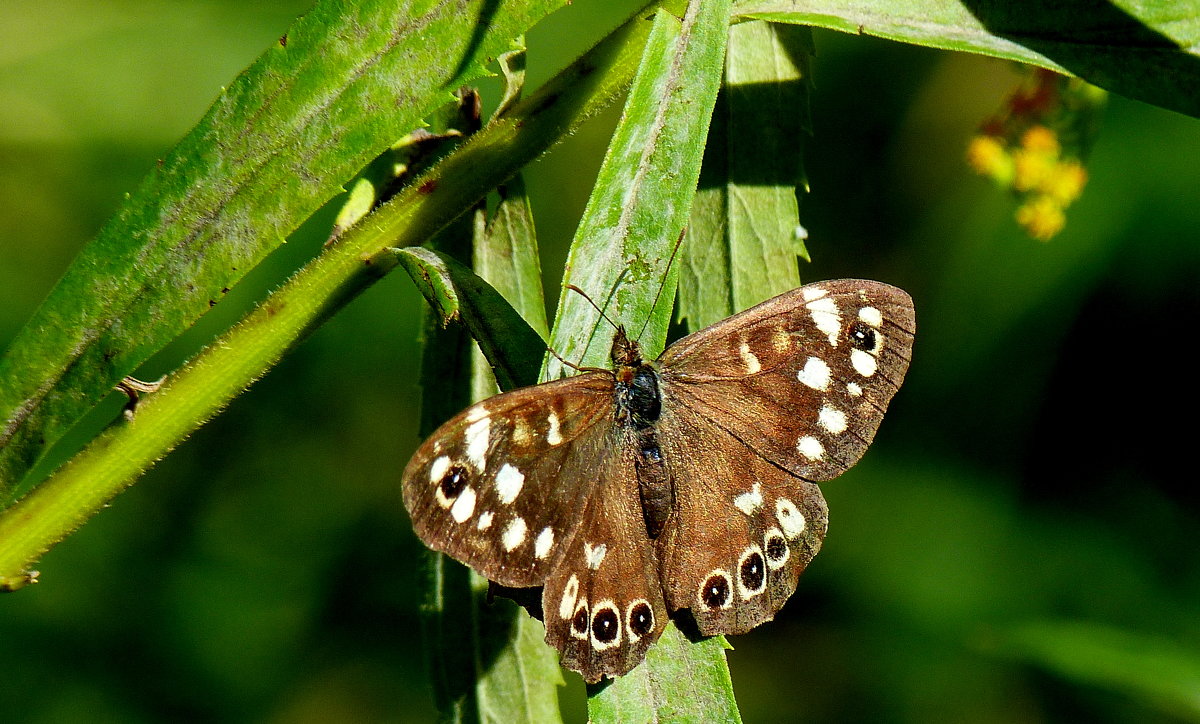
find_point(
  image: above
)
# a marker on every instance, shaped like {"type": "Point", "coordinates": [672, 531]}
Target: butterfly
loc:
{"type": "Point", "coordinates": [683, 484]}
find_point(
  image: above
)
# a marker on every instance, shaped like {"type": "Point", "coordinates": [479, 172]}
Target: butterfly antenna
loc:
{"type": "Point", "coordinates": [670, 263]}
{"type": "Point", "coordinates": [572, 365]}
{"type": "Point", "coordinates": [595, 306]}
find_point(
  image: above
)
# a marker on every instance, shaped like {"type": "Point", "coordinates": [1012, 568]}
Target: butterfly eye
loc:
{"type": "Point", "coordinates": [641, 619]}
{"type": "Point", "coordinates": [715, 592]}
{"type": "Point", "coordinates": [752, 573]}
{"type": "Point", "coordinates": [862, 336]}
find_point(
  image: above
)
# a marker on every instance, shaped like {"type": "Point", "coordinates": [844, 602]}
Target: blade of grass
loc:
{"type": "Point", "coordinates": [361, 256]}
{"type": "Point", "coordinates": [350, 79]}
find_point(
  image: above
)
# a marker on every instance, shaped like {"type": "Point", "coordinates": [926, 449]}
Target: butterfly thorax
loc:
{"type": "Point", "coordinates": [639, 406]}
{"type": "Point", "coordinates": [636, 384]}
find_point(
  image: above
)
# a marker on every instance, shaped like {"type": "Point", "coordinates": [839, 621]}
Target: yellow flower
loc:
{"type": "Point", "coordinates": [1041, 217]}
{"type": "Point", "coordinates": [1031, 169]}
{"type": "Point", "coordinates": [1040, 139]}
{"type": "Point", "coordinates": [989, 157]}
{"type": "Point", "coordinates": [1066, 182]}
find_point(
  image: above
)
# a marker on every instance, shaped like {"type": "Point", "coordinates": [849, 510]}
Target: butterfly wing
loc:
{"type": "Point", "coordinates": [802, 379]}
{"type": "Point", "coordinates": [536, 487]}
{"type": "Point", "coordinates": [603, 604]}
{"type": "Point", "coordinates": [755, 408]}
{"type": "Point", "coordinates": [743, 532]}
{"type": "Point", "coordinates": [494, 486]}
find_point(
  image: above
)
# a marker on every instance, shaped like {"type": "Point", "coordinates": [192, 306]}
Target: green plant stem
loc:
{"type": "Point", "coordinates": [199, 390]}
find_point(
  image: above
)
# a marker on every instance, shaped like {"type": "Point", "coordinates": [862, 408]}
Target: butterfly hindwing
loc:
{"type": "Point", "coordinates": [743, 533]}
{"type": "Point", "coordinates": [603, 605]}
{"type": "Point", "coordinates": [804, 378]}
{"type": "Point", "coordinates": [499, 485]}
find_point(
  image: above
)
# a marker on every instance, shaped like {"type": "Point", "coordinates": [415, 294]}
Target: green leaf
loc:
{"type": "Point", "coordinates": [643, 192]}
{"type": "Point", "coordinates": [512, 347]}
{"type": "Point", "coordinates": [193, 394]}
{"type": "Point", "coordinates": [1148, 51]}
{"type": "Point", "coordinates": [1157, 672]}
{"type": "Point", "coordinates": [742, 241]}
{"type": "Point", "coordinates": [675, 684]}
{"type": "Point", "coordinates": [276, 145]}
{"type": "Point", "coordinates": [620, 255]}
{"type": "Point", "coordinates": [506, 255]}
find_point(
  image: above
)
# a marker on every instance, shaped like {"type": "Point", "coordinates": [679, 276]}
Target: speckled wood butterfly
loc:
{"type": "Point", "coordinates": [682, 483]}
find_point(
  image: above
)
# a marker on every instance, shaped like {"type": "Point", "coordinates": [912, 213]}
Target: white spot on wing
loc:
{"type": "Point", "coordinates": [864, 364]}
{"type": "Point", "coordinates": [751, 501]}
{"type": "Point", "coordinates": [566, 606]}
{"type": "Point", "coordinates": [832, 419]}
{"type": "Point", "coordinates": [477, 442]}
{"type": "Point", "coordinates": [825, 314]}
{"type": "Point", "coordinates": [753, 366]}
{"type": "Point", "coordinates": [508, 483]}
{"type": "Point", "coordinates": [594, 556]}
{"type": "Point", "coordinates": [815, 374]}
{"type": "Point", "coordinates": [485, 520]}
{"type": "Point", "coordinates": [791, 520]}
{"type": "Point", "coordinates": [854, 389]}
{"type": "Point", "coordinates": [810, 447]}
{"type": "Point", "coordinates": [545, 539]}
{"type": "Point", "coordinates": [554, 436]}
{"type": "Point", "coordinates": [438, 469]}
{"type": "Point", "coordinates": [811, 293]}
{"type": "Point", "coordinates": [464, 505]}
{"type": "Point", "coordinates": [477, 413]}
{"type": "Point", "coordinates": [871, 316]}
{"type": "Point", "coordinates": [514, 534]}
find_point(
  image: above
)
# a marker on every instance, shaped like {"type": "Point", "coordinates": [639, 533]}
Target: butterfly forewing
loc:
{"type": "Point", "coordinates": [499, 486]}
{"type": "Point", "coordinates": [804, 378]}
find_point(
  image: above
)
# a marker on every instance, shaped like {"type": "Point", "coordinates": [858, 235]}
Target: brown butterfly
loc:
{"type": "Point", "coordinates": [682, 483]}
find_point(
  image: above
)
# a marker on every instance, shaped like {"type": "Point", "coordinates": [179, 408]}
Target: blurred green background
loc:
{"type": "Point", "coordinates": [1020, 545]}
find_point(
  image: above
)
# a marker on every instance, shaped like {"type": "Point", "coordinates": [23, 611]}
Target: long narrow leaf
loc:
{"type": "Point", "coordinates": [620, 256]}
{"type": "Point", "coordinates": [350, 79]}
{"type": "Point", "coordinates": [196, 392]}
{"type": "Point", "coordinates": [1149, 51]}
{"type": "Point", "coordinates": [742, 241]}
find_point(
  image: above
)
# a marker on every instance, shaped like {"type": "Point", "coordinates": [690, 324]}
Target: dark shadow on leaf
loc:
{"type": "Point", "coordinates": [1102, 44]}
{"type": "Point", "coordinates": [487, 10]}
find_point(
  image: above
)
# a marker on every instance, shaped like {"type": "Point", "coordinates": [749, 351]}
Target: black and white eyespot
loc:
{"type": "Point", "coordinates": [776, 548]}
{"type": "Point", "coordinates": [449, 479]}
{"type": "Point", "coordinates": [717, 591]}
{"type": "Point", "coordinates": [580, 620]}
{"type": "Point", "coordinates": [751, 572]}
{"type": "Point", "coordinates": [639, 621]}
{"type": "Point", "coordinates": [862, 336]}
{"type": "Point", "coordinates": [606, 626]}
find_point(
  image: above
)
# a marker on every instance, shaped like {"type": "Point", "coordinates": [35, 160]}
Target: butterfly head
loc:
{"type": "Point", "coordinates": [626, 356]}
